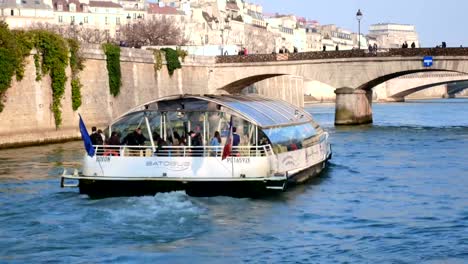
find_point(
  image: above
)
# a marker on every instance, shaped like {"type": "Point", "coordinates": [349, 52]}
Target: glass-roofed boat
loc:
{"type": "Point", "coordinates": [239, 145]}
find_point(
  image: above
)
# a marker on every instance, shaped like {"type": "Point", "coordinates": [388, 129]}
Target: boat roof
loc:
{"type": "Point", "coordinates": [260, 110]}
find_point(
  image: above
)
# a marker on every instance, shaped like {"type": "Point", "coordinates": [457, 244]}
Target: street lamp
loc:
{"type": "Point", "coordinates": [359, 17]}
{"type": "Point", "coordinates": [225, 27]}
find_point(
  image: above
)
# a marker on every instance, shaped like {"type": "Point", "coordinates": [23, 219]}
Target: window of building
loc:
{"type": "Point", "coordinates": [72, 19]}
{"type": "Point", "coordinates": [72, 7]}
{"type": "Point", "coordinates": [12, 12]}
{"type": "Point", "coordinates": [60, 19]}
{"type": "Point", "coordinates": [134, 15]}
{"type": "Point", "coordinates": [105, 20]}
{"type": "Point", "coordinates": [60, 7]}
{"type": "Point", "coordinates": [85, 8]}
{"type": "Point", "coordinates": [85, 19]}
{"type": "Point", "coordinates": [117, 21]}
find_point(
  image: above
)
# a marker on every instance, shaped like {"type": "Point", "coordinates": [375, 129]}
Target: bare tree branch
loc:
{"type": "Point", "coordinates": [154, 32]}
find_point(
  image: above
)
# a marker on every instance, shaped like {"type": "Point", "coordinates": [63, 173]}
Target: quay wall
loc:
{"type": "Point", "coordinates": [27, 118]}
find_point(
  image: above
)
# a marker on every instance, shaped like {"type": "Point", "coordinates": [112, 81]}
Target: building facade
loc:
{"type": "Point", "coordinates": [390, 35]}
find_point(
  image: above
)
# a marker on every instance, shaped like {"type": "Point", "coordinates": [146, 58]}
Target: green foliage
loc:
{"type": "Point", "coordinates": [11, 59]}
{"type": "Point", "coordinates": [54, 51]}
{"type": "Point", "coordinates": [51, 58]}
{"type": "Point", "coordinates": [172, 60]}
{"type": "Point", "coordinates": [158, 60]}
{"type": "Point", "coordinates": [113, 67]}
{"type": "Point", "coordinates": [76, 65]}
{"type": "Point", "coordinates": [76, 93]}
{"type": "Point", "coordinates": [25, 43]}
{"type": "Point", "coordinates": [76, 60]}
{"type": "Point", "coordinates": [181, 53]}
{"type": "Point", "coordinates": [37, 64]}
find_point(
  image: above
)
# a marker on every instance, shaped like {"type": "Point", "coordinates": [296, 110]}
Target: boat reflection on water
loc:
{"type": "Point", "coordinates": [181, 141]}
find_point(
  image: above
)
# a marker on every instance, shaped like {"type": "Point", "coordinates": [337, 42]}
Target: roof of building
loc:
{"type": "Point", "coordinates": [232, 6]}
{"type": "Point", "coordinates": [66, 5]}
{"type": "Point", "coordinates": [166, 10]}
{"type": "Point", "coordinates": [37, 4]}
{"type": "Point", "coordinates": [208, 18]}
{"type": "Point", "coordinates": [104, 4]}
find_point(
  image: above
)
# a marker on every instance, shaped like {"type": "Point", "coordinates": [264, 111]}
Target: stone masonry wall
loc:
{"type": "Point", "coordinates": [27, 118]}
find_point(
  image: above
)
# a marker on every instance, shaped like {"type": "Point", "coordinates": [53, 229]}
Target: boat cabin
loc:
{"type": "Point", "coordinates": [189, 123]}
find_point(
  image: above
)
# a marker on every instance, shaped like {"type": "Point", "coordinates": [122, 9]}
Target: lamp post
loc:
{"type": "Point", "coordinates": [224, 27]}
{"type": "Point", "coordinates": [359, 17]}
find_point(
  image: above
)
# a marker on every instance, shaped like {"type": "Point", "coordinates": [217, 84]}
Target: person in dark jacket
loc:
{"type": "Point", "coordinates": [114, 140]}
{"type": "Point", "coordinates": [96, 138]}
{"type": "Point", "coordinates": [136, 138]}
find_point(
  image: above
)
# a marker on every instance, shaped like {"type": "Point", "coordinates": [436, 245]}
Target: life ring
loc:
{"type": "Point", "coordinates": [110, 153]}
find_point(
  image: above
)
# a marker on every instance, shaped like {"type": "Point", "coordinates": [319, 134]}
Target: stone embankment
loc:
{"type": "Point", "coordinates": [27, 118]}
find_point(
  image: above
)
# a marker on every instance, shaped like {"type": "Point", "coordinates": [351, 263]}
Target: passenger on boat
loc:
{"type": "Point", "coordinates": [196, 139]}
{"type": "Point", "coordinates": [96, 138]}
{"type": "Point", "coordinates": [136, 138]}
{"type": "Point", "coordinates": [176, 139]}
{"type": "Point", "coordinates": [235, 137]}
{"type": "Point", "coordinates": [102, 135]}
{"type": "Point", "coordinates": [114, 140]}
{"type": "Point", "coordinates": [216, 140]}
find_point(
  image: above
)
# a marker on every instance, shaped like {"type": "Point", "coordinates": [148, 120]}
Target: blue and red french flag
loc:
{"type": "Point", "coordinates": [228, 145]}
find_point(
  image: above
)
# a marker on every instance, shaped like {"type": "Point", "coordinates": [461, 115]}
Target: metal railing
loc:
{"type": "Point", "coordinates": [181, 151]}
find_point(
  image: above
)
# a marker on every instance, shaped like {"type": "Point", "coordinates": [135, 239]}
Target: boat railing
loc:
{"type": "Point", "coordinates": [181, 151]}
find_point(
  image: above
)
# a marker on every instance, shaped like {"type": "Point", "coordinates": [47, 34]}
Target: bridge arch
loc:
{"type": "Point", "coordinates": [237, 86]}
{"type": "Point", "coordinates": [381, 79]}
{"type": "Point", "coordinates": [407, 92]}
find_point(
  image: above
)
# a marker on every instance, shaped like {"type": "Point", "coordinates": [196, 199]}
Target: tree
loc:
{"type": "Point", "coordinates": [79, 32]}
{"type": "Point", "coordinates": [154, 32]}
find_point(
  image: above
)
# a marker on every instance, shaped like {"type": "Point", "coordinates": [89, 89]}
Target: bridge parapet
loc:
{"type": "Point", "coordinates": [318, 55]}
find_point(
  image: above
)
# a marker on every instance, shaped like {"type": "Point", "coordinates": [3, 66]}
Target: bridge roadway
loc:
{"type": "Point", "coordinates": [355, 73]}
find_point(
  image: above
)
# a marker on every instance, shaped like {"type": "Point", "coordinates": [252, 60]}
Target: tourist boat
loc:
{"type": "Point", "coordinates": [277, 145]}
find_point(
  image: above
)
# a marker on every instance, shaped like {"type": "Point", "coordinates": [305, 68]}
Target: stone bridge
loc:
{"type": "Point", "coordinates": [395, 90]}
{"type": "Point", "coordinates": [354, 73]}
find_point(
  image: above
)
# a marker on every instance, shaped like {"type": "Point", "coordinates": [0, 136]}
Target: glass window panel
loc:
{"type": "Point", "coordinates": [290, 138]}
{"type": "Point", "coordinates": [127, 125]}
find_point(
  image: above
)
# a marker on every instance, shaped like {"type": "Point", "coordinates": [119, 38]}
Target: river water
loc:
{"type": "Point", "coordinates": [395, 192]}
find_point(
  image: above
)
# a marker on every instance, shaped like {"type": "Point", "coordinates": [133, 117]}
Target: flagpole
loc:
{"type": "Point", "coordinates": [232, 164]}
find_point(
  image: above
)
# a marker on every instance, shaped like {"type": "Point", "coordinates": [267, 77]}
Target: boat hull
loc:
{"type": "Point", "coordinates": [102, 188]}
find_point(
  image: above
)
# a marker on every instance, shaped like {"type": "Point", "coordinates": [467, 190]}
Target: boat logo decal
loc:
{"type": "Point", "coordinates": [288, 161]}
{"type": "Point", "coordinates": [170, 165]}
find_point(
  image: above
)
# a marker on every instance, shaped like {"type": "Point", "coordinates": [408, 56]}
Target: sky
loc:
{"type": "Point", "coordinates": [435, 20]}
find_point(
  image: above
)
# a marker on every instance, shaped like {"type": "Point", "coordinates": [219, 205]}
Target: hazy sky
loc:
{"type": "Point", "coordinates": [435, 20]}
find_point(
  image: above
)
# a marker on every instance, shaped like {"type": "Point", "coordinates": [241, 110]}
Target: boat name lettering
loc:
{"type": "Point", "coordinates": [103, 159]}
{"type": "Point", "coordinates": [170, 165]}
{"type": "Point", "coordinates": [238, 160]}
